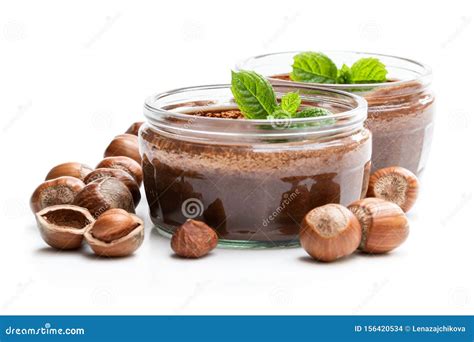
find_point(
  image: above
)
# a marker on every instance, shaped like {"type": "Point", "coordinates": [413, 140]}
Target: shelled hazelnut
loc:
{"type": "Point", "coordinates": [62, 190]}
{"type": "Point", "coordinates": [122, 176]}
{"type": "Point", "coordinates": [384, 224]}
{"type": "Point", "coordinates": [104, 194]}
{"type": "Point", "coordinates": [124, 145]}
{"type": "Point", "coordinates": [63, 226]}
{"type": "Point", "coordinates": [330, 232]}
{"type": "Point", "coordinates": [134, 128]}
{"type": "Point", "coordinates": [193, 239]}
{"type": "Point", "coordinates": [76, 170]}
{"type": "Point", "coordinates": [116, 233]}
{"type": "Point", "coordinates": [394, 184]}
{"type": "Point", "coordinates": [123, 163]}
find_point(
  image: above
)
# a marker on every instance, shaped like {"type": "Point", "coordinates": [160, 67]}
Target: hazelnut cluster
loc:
{"type": "Point", "coordinates": [77, 202]}
{"type": "Point", "coordinates": [375, 224]}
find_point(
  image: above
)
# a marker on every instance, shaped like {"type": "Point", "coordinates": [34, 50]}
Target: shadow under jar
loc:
{"type": "Point", "coordinates": [400, 114]}
{"type": "Point", "coordinates": [250, 180]}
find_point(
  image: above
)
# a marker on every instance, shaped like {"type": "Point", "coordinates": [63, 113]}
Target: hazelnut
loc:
{"type": "Point", "coordinates": [122, 176]}
{"type": "Point", "coordinates": [116, 233]}
{"type": "Point", "coordinates": [193, 239]}
{"type": "Point", "coordinates": [330, 232]}
{"type": "Point", "coordinates": [394, 184]}
{"type": "Point", "coordinates": [62, 190]}
{"type": "Point", "coordinates": [123, 163]}
{"type": "Point", "coordinates": [76, 170]}
{"type": "Point", "coordinates": [124, 145]}
{"type": "Point", "coordinates": [134, 128]}
{"type": "Point", "coordinates": [384, 225]}
{"type": "Point", "coordinates": [104, 194]}
{"type": "Point", "coordinates": [63, 226]}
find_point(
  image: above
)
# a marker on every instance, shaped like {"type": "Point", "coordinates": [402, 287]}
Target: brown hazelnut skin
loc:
{"type": "Point", "coordinates": [384, 225]}
{"type": "Point", "coordinates": [63, 226]}
{"type": "Point", "coordinates": [134, 128]}
{"type": "Point", "coordinates": [123, 163]}
{"type": "Point", "coordinates": [193, 239]}
{"type": "Point", "coordinates": [330, 232]}
{"type": "Point", "coordinates": [122, 176]}
{"type": "Point", "coordinates": [124, 145]}
{"type": "Point", "coordinates": [116, 233]}
{"type": "Point", "coordinates": [394, 184]}
{"type": "Point", "coordinates": [76, 170]}
{"type": "Point", "coordinates": [62, 190]}
{"type": "Point", "coordinates": [104, 194]}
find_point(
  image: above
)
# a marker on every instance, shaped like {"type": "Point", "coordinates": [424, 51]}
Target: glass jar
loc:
{"type": "Point", "coordinates": [401, 110]}
{"type": "Point", "coordinates": [250, 180]}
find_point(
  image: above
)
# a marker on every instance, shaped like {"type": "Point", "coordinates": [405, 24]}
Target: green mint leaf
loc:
{"type": "Point", "coordinates": [253, 94]}
{"type": "Point", "coordinates": [344, 75]}
{"type": "Point", "coordinates": [312, 112]}
{"type": "Point", "coordinates": [290, 102]}
{"type": "Point", "coordinates": [368, 70]}
{"type": "Point", "coordinates": [313, 67]}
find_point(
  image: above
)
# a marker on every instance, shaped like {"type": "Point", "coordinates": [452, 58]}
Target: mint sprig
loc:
{"type": "Point", "coordinates": [316, 67]}
{"type": "Point", "coordinates": [256, 99]}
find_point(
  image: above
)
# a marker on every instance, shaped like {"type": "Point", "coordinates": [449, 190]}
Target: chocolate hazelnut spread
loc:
{"type": "Point", "coordinates": [400, 117]}
{"type": "Point", "coordinates": [251, 192]}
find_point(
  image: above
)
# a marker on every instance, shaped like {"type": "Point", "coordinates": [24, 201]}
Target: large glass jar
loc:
{"type": "Point", "coordinates": [250, 180]}
{"type": "Point", "coordinates": [401, 110]}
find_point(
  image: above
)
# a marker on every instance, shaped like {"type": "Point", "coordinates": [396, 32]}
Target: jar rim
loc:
{"type": "Point", "coordinates": [423, 75]}
{"type": "Point", "coordinates": [162, 112]}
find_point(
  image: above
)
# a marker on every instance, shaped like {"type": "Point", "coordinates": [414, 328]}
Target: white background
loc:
{"type": "Point", "coordinates": [73, 75]}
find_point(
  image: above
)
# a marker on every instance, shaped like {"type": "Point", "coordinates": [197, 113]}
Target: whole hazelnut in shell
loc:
{"type": "Point", "coordinates": [76, 170]}
{"type": "Point", "coordinates": [63, 226]}
{"type": "Point", "coordinates": [384, 224]}
{"type": "Point", "coordinates": [330, 232]}
{"type": "Point", "coordinates": [62, 190]}
{"type": "Point", "coordinates": [123, 163]}
{"type": "Point", "coordinates": [124, 145]}
{"type": "Point", "coordinates": [104, 194]}
{"type": "Point", "coordinates": [116, 233]}
{"type": "Point", "coordinates": [134, 128]}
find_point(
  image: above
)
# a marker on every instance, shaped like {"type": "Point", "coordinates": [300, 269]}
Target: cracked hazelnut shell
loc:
{"type": "Point", "coordinates": [124, 145]}
{"type": "Point", "coordinates": [104, 194]}
{"type": "Point", "coordinates": [62, 190]}
{"type": "Point", "coordinates": [330, 232]}
{"type": "Point", "coordinates": [116, 233]}
{"type": "Point", "coordinates": [76, 170]}
{"type": "Point", "coordinates": [384, 225]}
{"type": "Point", "coordinates": [122, 176]}
{"type": "Point", "coordinates": [193, 239]}
{"type": "Point", "coordinates": [63, 226]}
{"type": "Point", "coordinates": [123, 163]}
{"type": "Point", "coordinates": [394, 184]}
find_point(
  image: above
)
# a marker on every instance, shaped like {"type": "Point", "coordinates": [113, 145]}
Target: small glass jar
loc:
{"type": "Point", "coordinates": [401, 110]}
{"type": "Point", "coordinates": [251, 180]}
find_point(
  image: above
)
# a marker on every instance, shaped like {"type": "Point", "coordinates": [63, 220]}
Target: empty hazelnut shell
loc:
{"type": "Point", "coordinates": [122, 176]}
{"type": "Point", "coordinates": [116, 233]}
{"type": "Point", "coordinates": [394, 184]}
{"type": "Point", "coordinates": [62, 190]}
{"type": "Point", "coordinates": [123, 163]}
{"type": "Point", "coordinates": [124, 145]}
{"type": "Point", "coordinates": [330, 232]}
{"type": "Point", "coordinates": [63, 226]}
{"type": "Point", "coordinates": [76, 170]}
{"type": "Point", "coordinates": [104, 194]}
{"type": "Point", "coordinates": [384, 225]}
{"type": "Point", "coordinates": [194, 239]}
{"type": "Point", "coordinates": [134, 128]}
